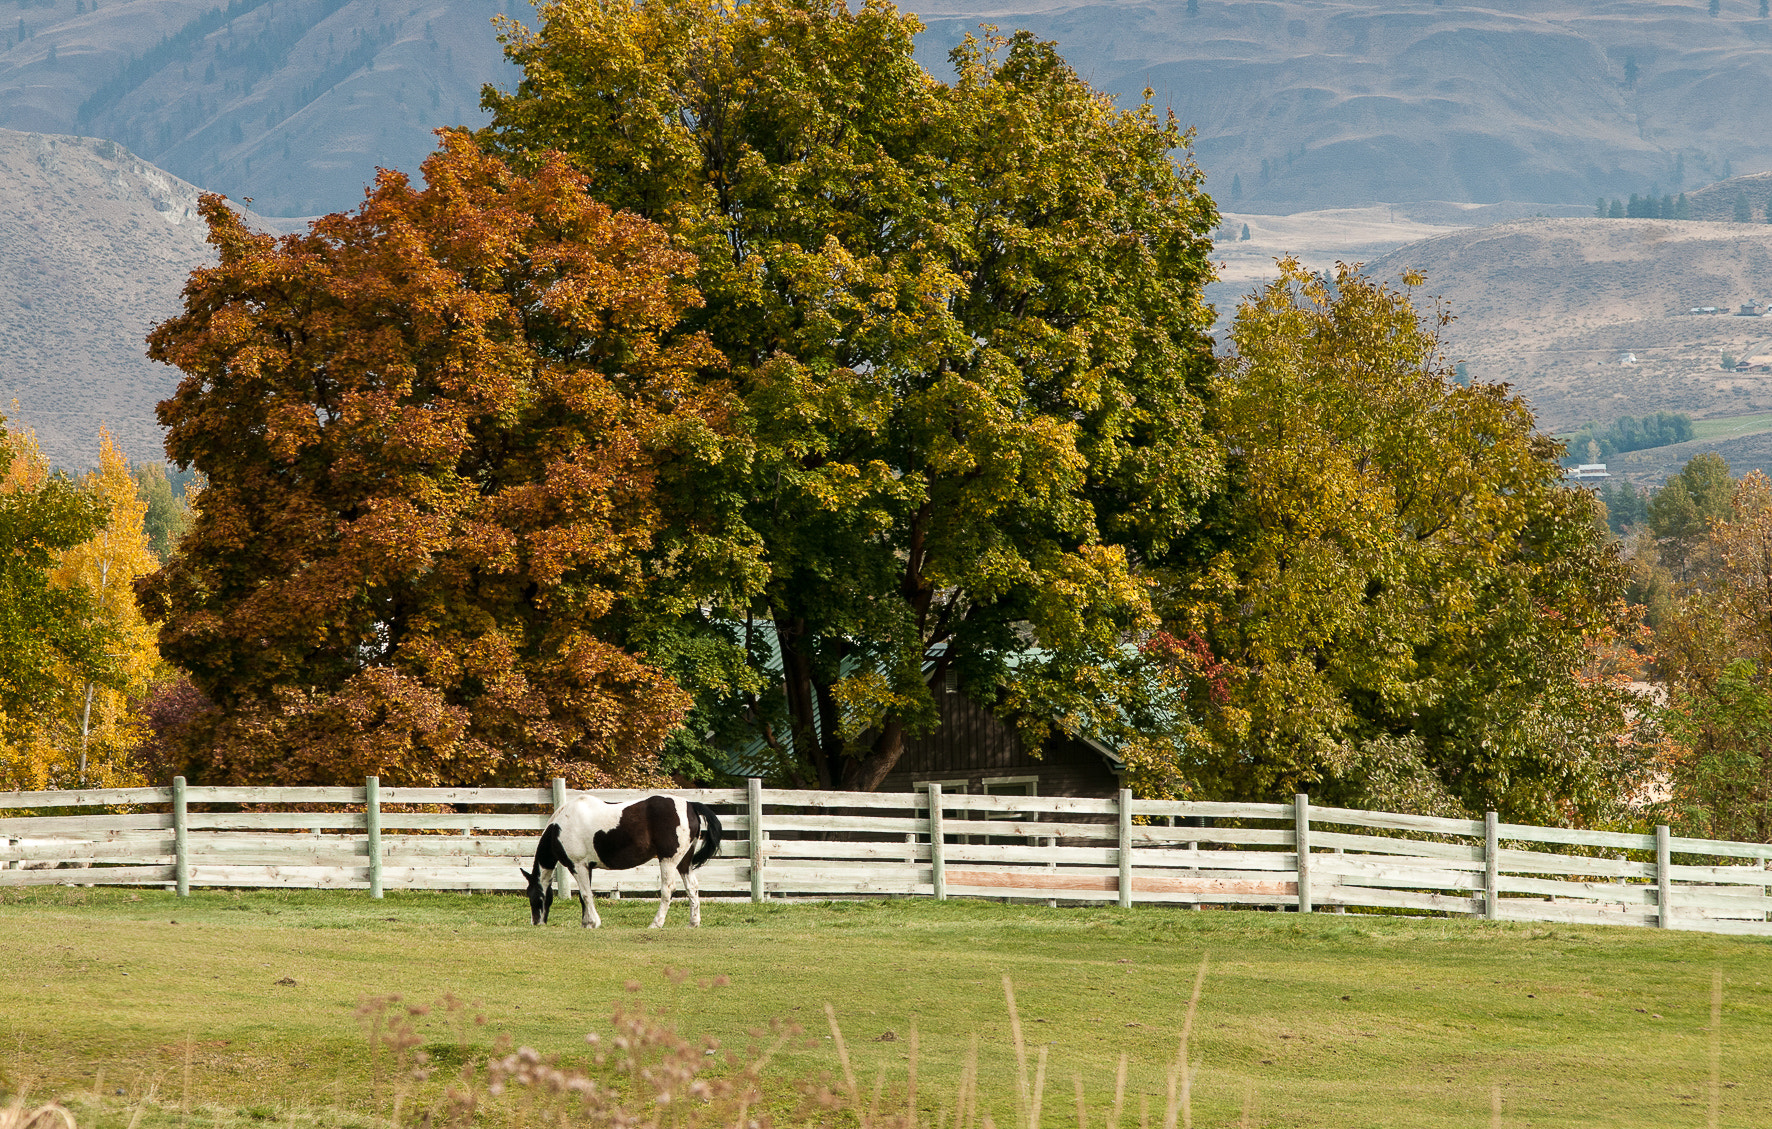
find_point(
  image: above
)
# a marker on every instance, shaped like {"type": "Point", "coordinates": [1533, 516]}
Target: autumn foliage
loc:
{"type": "Point", "coordinates": [432, 431]}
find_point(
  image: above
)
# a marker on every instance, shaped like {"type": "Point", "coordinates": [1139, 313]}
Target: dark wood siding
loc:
{"type": "Point", "coordinates": [971, 744]}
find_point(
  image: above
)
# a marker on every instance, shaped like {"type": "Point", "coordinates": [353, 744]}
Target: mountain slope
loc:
{"type": "Point", "coordinates": [1554, 305]}
{"type": "Point", "coordinates": [95, 246]}
{"type": "Point", "coordinates": [1306, 104]}
{"type": "Point", "coordinates": [1315, 105]}
{"type": "Point", "coordinates": [292, 102]}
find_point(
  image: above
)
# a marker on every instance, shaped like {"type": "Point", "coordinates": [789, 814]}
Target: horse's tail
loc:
{"type": "Point", "coordinates": [710, 837]}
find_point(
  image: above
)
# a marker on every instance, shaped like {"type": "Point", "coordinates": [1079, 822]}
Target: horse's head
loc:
{"type": "Point", "coordinates": [541, 896]}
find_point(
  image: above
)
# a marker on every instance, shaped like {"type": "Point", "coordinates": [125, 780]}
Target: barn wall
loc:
{"type": "Point", "coordinates": [971, 744]}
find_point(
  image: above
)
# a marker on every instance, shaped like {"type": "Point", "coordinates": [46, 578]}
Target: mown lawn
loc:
{"type": "Point", "coordinates": [1328, 1020]}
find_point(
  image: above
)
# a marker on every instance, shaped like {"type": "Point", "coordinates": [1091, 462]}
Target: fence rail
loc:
{"type": "Point", "coordinates": [792, 844]}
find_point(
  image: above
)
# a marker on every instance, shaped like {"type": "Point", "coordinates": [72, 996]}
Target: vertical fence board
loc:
{"type": "Point", "coordinates": [1125, 854]}
{"type": "Point", "coordinates": [938, 867]}
{"type": "Point", "coordinates": [754, 805]}
{"type": "Point", "coordinates": [181, 854]}
{"type": "Point", "coordinates": [372, 826]}
{"type": "Point", "coordinates": [1664, 878]}
{"type": "Point", "coordinates": [1491, 866]}
{"type": "Point", "coordinates": [560, 872]}
{"type": "Point", "coordinates": [1301, 820]}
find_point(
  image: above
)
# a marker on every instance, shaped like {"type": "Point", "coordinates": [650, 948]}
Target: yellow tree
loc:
{"type": "Point", "coordinates": [52, 637]}
{"type": "Point", "coordinates": [100, 730]}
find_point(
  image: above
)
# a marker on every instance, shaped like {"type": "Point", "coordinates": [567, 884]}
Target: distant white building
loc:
{"type": "Point", "coordinates": [1588, 471]}
{"type": "Point", "coordinates": [1628, 359]}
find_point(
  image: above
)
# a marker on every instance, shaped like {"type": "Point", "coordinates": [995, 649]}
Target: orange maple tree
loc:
{"type": "Point", "coordinates": [432, 431]}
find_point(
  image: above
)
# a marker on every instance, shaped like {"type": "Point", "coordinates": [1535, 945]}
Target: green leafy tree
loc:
{"type": "Point", "coordinates": [53, 638]}
{"type": "Point", "coordinates": [433, 433]}
{"type": "Point", "coordinates": [964, 323]}
{"type": "Point", "coordinates": [167, 513]}
{"type": "Point", "coordinates": [1402, 590]}
{"type": "Point", "coordinates": [1682, 511]}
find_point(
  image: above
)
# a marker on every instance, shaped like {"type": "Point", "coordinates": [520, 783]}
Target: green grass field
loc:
{"type": "Point", "coordinates": [1731, 427]}
{"type": "Point", "coordinates": [1330, 1020]}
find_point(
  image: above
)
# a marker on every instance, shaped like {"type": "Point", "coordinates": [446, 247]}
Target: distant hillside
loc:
{"type": "Point", "coordinates": [1341, 103]}
{"type": "Point", "coordinates": [97, 244]}
{"type": "Point", "coordinates": [1588, 317]}
{"type": "Point", "coordinates": [292, 102]}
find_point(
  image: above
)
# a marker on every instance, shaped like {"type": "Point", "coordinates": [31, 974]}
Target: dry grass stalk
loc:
{"type": "Point", "coordinates": [1119, 1093]}
{"type": "Point", "coordinates": [46, 1116]}
{"type": "Point", "coordinates": [1716, 1048]}
{"type": "Point", "coordinates": [1181, 1078]}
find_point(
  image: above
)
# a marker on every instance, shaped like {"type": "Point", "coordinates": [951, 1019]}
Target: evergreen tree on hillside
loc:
{"type": "Point", "coordinates": [1600, 208]}
{"type": "Point", "coordinates": [1716, 7]}
{"type": "Point", "coordinates": [1616, 211]}
{"type": "Point", "coordinates": [1193, 7]}
{"type": "Point", "coordinates": [1682, 208]}
{"type": "Point", "coordinates": [1236, 186]}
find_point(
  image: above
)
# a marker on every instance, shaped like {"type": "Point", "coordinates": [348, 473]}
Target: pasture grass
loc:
{"type": "Point", "coordinates": [1732, 427]}
{"type": "Point", "coordinates": [1321, 1020]}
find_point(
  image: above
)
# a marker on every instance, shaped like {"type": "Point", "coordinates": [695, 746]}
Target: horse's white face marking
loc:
{"type": "Point", "coordinates": [587, 833]}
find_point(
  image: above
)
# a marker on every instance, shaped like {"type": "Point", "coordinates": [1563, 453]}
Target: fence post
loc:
{"type": "Point", "coordinates": [372, 831]}
{"type": "Point", "coordinates": [937, 866]}
{"type": "Point", "coordinates": [560, 872]}
{"type": "Point", "coordinates": [754, 808]}
{"type": "Point", "coordinates": [1664, 880]}
{"type": "Point", "coordinates": [1125, 848]}
{"type": "Point", "coordinates": [181, 847]}
{"type": "Point", "coordinates": [1492, 866]}
{"type": "Point", "coordinates": [1301, 821]}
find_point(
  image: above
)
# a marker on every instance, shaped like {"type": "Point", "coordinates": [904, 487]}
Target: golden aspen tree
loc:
{"type": "Point", "coordinates": [96, 727]}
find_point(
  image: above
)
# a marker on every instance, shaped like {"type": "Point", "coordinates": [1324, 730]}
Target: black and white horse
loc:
{"type": "Point", "coordinates": [587, 833]}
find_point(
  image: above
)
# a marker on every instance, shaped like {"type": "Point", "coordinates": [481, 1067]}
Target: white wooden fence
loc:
{"type": "Point", "coordinates": [794, 844]}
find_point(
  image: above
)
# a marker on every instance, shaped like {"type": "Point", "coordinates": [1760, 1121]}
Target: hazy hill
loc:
{"type": "Point", "coordinates": [1554, 305]}
{"type": "Point", "coordinates": [1333, 104]}
{"type": "Point", "coordinates": [1308, 105]}
{"type": "Point", "coordinates": [95, 245]}
{"type": "Point", "coordinates": [291, 102]}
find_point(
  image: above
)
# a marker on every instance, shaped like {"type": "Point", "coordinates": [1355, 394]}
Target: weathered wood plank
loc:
{"type": "Point", "coordinates": [540, 797]}
{"type": "Point", "coordinates": [88, 876]}
{"type": "Point", "coordinates": [773, 822]}
{"type": "Point", "coordinates": [1211, 809]}
{"type": "Point", "coordinates": [1381, 864]}
{"type": "Point", "coordinates": [85, 798]}
{"type": "Point", "coordinates": [1060, 805]}
{"type": "Point", "coordinates": [296, 877]}
{"type": "Point", "coordinates": [1063, 880]}
{"type": "Point", "coordinates": [1400, 877]}
{"type": "Point", "coordinates": [271, 820]}
{"type": "Point", "coordinates": [1742, 875]}
{"type": "Point", "coordinates": [431, 821]}
{"type": "Point", "coordinates": [1588, 913]}
{"type": "Point", "coordinates": [807, 848]}
{"type": "Point", "coordinates": [68, 850]}
{"type": "Point", "coordinates": [1743, 928]}
{"type": "Point", "coordinates": [45, 826]}
{"type": "Point", "coordinates": [1537, 862]}
{"type": "Point", "coordinates": [1374, 898]}
{"type": "Point", "coordinates": [1623, 893]}
{"type": "Point", "coordinates": [273, 795]}
{"type": "Point", "coordinates": [1374, 844]}
{"type": "Point", "coordinates": [1393, 821]}
{"type": "Point", "coordinates": [1525, 833]}
{"type": "Point", "coordinates": [1716, 847]}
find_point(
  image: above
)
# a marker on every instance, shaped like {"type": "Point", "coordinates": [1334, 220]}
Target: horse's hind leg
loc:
{"type": "Point", "coordinates": [666, 880]}
{"type": "Point", "coordinates": [693, 888]}
{"type": "Point", "coordinates": [583, 871]}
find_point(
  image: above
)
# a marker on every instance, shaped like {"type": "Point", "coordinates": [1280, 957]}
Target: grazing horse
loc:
{"type": "Point", "coordinates": [587, 833]}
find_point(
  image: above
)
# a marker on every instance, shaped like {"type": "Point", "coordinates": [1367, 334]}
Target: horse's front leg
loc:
{"type": "Point", "coordinates": [666, 876]}
{"type": "Point", "coordinates": [583, 872]}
